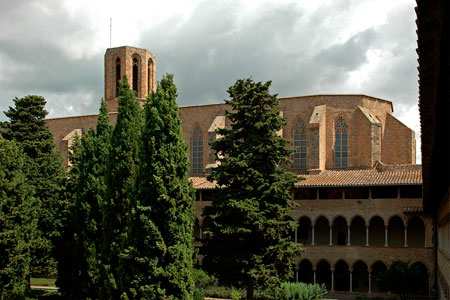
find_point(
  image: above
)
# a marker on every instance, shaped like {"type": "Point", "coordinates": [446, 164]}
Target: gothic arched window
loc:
{"type": "Point", "coordinates": [135, 78]}
{"type": "Point", "coordinates": [197, 150]}
{"type": "Point", "coordinates": [117, 76]}
{"type": "Point", "coordinates": [340, 143]}
{"type": "Point", "coordinates": [300, 145]}
{"type": "Point", "coordinates": [150, 75]}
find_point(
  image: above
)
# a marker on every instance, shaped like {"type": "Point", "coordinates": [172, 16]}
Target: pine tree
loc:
{"type": "Point", "coordinates": [162, 226]}
{"type": "Point", "coordinates": [18, 222]}
{"type": "Point", "coordinates": [120, 177]}
{"type": "Point", "coordinates": [43, 170]}
{"type": "Point", "coordinates": [250, 241]}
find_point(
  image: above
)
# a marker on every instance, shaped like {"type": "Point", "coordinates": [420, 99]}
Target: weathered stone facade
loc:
{"type": "Point", "coordinates": [352, 227]}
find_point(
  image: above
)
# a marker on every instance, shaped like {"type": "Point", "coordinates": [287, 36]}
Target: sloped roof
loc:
{"type": "Point", "coordinates": [378, 176]}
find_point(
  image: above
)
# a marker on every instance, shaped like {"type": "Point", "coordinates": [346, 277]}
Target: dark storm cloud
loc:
{"type": "Point", "coordinates": [208, 52]}
{"type": "Point", "coordinates": [36, 58]}
{"type": "Point", "coordinates": [299, 52]}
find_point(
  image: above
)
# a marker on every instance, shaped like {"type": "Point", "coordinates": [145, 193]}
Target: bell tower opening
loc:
{"type": "Point", "coordinates": [132, 62]}
{"type": "Point", "coordinates": [117, 76]}
{"type": "Point", "coordinates": [135, 76]}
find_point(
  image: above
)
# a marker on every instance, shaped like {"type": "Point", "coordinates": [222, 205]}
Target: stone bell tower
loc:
{"type": "Point", "coordinates": [140, 67]}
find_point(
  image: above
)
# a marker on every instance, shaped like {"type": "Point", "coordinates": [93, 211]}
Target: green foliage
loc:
{"type": "Point", "coordinates": [203, 279]}
{"type": "Point", "coordinates": [86, 187]}
{"type": "Point", "coordinates": [301, 291]}
{"type": "Point", "coordinates": [121, 171]}
{"type": "Point", "coordinates": [43, 170]}
{"type": "Point", "coordinates": [235, 294]}
{"type": "Point", "coordinates": [402, 279]}
{"type": "Point", "coordinates": [250, 244]}
{"type": "Point", "coordinates": [159, 258]}
{"type": "Point", "coordinates": [18, 222]}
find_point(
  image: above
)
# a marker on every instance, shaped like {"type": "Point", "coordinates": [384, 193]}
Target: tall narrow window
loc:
{"type": "Point", "coordinates": [341, 143]}
{"type": "Point", "coordinates": [300, 145]}
{"type": "Point", "coordinates": [117, 76]}
{"type": "Point", "coordinates": [135, 76]}
{"type": "Point", "coordinates": [150, 75]}
{"type": "Point", "coordinates": [197, 150]}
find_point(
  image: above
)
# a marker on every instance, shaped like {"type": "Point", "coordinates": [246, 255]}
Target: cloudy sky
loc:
{"type": "Point", "coordinates": [55, 48]}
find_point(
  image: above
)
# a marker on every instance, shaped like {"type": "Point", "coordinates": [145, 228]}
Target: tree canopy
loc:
{"type": "Point", "coordinates": [43, 170]}
{"type": "Point", "coordinates": [18, 222]}
{"type": "Point", "coordinates": [160, 254]}
{"type": "Point", "coordinates": [249, 244]}
{"type": "Point", "coordinates": [403, 279]}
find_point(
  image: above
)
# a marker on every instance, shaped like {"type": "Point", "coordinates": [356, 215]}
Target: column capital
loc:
{"type": "Point", "coordinates": [332, 269]}
{"type": "Point", "coordinates": [350, 270]}
{"type": "Point", "coordinates": [369, 271]}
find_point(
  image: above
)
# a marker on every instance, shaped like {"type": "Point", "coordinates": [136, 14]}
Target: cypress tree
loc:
{"type": "Point", "coordinates": [18, 222]}
{"type": "Point", "coordinates": [86, 184]}
{"type": "Point", "coordinates": [250, 244]}
{"type": "Point", "coordinates": [65, 243]}
{"type": "Point", "coordinates": [120, 177]}
{"type": "Point", "coordinates": [43, 170]}
{"type": "Point", "coordinates": [162, 226]}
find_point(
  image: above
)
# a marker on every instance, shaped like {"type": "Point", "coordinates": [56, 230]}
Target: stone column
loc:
{"type": "Point", "coordinates": [312, 235]}
{"type": "Point", "coordinates": [367, 235]}
{"type": "Point", "coordinates": [348, 233]}
{"type": "Point", "coordinates": [370, 280]}
{"type": "Point", "coordinates": [314, 278]}
{"type": "Point", "coordinates": [351, 279]}
{"type": "Point", "coordinates": [201, 232]}
{"type": "Point", "coordinates": [296, 274]}
{"type": "Point", "coordinates": [332, 279]}
{"type": "Point", "coordinates": [295, 233]}
{"type": "Point", "coordinates": [331, 236]}
{"type": "Point", "coordinates": [406, 237]}
{"type": "Point", "coordinates": [385, 235]}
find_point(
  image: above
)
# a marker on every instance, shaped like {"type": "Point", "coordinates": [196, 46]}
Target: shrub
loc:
{"type": "Point", "coordinates": [301, 291]}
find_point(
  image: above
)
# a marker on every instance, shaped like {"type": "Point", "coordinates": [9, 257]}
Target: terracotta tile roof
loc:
{"type": "Point", "coordinates": [379, 175]}
{"type": "Point", "coordinates": [202, 183]}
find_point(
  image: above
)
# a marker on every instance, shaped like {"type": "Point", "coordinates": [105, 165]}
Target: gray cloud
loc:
{"type": "Point", "coordinates": [207, 53]}
{"type": "Point", "coordinates": [35, 60]}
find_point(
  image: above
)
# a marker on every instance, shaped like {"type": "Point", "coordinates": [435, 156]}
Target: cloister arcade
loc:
{"type": "Point", "coordinates": [376, 231]}
{"type": "Point", "coordinates": [345, 276]}
{"type": "Point", "coordinates": [351, 234]}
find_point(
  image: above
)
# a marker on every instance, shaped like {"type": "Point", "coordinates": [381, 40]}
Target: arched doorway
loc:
{"type": "Point", "coordinates": [304, 231]}
{"type": "Point", "coordinates": [197, 231]}
{"type": "Point", "coordinates": [305, 272]}
{"type": "Point", "coordinates": [396, 232]}
{"type": "Point", "coordinates": [376, 231]}
{"type": "Point", "coordinates": [360, 277]}
{"type": "Point", "coordinates": [340, 231]}
{"type": "Point", "coordinates": [341, 276]}
{"type": "Point", "coordinates": [323, 274]}
{"type": "Point", "coordinates": [322, 231]}
{"type": "Point", "coordinates": [416, 232]}
{"type": "Point", "coordinates": [376, 269]}
{"type": "Point", "coordinates": [358, 231]}
{"type": "Point", "coordinates": [422, 278]}
{"type": "Point", "coordinates": [207, 222]}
